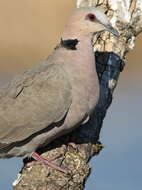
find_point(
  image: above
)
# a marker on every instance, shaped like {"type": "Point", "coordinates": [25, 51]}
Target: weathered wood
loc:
{"type": "Point", "coordinates": [126, 16]}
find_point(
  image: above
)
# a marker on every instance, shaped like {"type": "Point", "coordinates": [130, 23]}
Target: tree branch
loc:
{"type": "Point", "coordinates": [127, 17]}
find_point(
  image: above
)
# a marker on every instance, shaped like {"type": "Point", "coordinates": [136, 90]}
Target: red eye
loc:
{"type": "Point", "coordinates": [91, 17]}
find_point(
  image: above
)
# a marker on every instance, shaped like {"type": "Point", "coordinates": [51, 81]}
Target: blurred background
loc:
{"type": "Point", "coordinates": [29, 30]}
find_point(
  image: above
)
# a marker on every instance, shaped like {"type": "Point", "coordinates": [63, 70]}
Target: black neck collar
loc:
{"type": "Point", "coordinates": [69, 44]}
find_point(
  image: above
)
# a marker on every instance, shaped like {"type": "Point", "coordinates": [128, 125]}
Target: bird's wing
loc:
{"type": "Point", "coordinates": [33, 101]}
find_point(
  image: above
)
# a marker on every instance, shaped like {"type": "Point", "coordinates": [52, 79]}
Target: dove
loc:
{"type": "Point", "coordinates": [58, 95]}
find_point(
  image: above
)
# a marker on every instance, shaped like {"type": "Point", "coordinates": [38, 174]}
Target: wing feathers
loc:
{"type": "Point", "coordinates": [33, 101]}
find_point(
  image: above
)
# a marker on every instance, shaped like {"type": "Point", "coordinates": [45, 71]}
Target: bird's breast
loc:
{"type": "Point", "coordinates": [85, 92]}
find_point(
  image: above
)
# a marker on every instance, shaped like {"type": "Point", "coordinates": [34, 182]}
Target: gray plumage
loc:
{"type": "Point", "coordinates": [57, 96]}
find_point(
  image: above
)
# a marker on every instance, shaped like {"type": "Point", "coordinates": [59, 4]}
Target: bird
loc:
{"type": "Point", "coordinates": [58, 95]}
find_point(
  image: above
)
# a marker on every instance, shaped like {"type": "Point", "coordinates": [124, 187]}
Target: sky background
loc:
{"type": "Point", "coordinates": [29, 31]}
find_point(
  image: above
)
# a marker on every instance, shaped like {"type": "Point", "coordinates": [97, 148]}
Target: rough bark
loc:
{"type": "Point", "coordinates": [126, 16]}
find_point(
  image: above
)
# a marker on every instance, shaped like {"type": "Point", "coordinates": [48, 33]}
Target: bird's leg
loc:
{"type": "Point", "coordinates": [41, 160]}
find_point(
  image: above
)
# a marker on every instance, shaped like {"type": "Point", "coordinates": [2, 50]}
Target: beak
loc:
{"type": "Point", "coordinates": [109, 28]}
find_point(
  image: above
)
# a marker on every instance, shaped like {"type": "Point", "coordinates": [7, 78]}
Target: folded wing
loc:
{"type": "Point", "coordinates": [33, 101]}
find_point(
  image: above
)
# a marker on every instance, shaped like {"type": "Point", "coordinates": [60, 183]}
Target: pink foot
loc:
{"type": "Point", "coordinates": [40, 160]}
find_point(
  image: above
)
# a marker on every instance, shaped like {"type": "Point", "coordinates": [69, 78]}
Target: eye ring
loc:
{"type": "Point", "coordinates": [91, 17]}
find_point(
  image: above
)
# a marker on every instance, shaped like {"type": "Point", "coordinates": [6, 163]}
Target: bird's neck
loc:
{"type": "Point", "coordinates": [80, 50]}
{"type": "Point", "coordinates": [80, 44]}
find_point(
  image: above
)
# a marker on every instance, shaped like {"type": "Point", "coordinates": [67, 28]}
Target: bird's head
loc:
{"type": "Point", "coordinates": [90, 20]}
